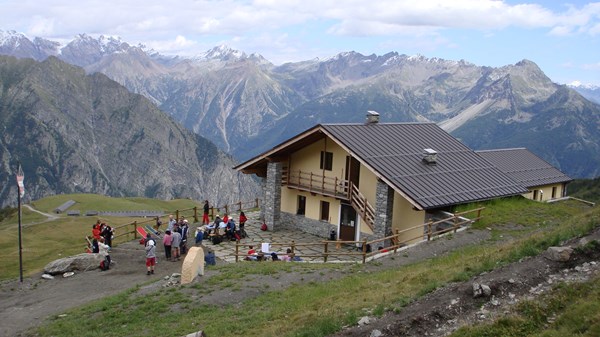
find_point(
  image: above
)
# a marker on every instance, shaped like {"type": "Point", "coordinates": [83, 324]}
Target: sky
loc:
{"type": "Point", "coordinates": [562, 38]}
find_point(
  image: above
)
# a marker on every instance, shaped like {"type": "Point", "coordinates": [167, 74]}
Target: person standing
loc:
{"type": "Point", "coordinates": [175, 253]}
{"type": "Point", "coordinates": [205, 220]}
{"type": "Point", "coordinates": [184, 234]}
{"type": "Point", "coordinates": [150, 257]}
{"type": "Point", "coordinates": [167, 241]}
{"type": "Point", "coordinates": [171, 223]}
{"type": "Point", "coordinates": [103, 250]}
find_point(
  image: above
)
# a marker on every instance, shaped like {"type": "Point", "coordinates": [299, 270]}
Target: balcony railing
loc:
{"type": "Point", "coordinates": [315, 183]}
{"type": "Point", "coordinates": [330, 186]}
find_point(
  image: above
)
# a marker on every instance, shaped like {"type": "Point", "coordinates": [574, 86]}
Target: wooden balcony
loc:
{"type": "Point", "coordinates": [331, 187]}
{"type": "Point", "coordinates": [315, 183]}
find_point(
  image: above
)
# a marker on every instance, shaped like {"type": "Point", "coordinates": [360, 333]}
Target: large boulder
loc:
{"type": "Point", "coordinates": [81, 262]}
{"type": "Point", "coordinates": [193, 265]}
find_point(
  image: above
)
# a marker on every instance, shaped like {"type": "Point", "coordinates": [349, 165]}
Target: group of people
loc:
{"type": "Point", "coordinates": [102, 235]}
{"type": "Point", "coordinates": [220, 227]}
{"type": "Point", "coordinates": [253, 255]}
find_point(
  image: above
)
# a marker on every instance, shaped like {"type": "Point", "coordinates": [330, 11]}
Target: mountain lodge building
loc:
{"type": "Point", "coordinates": [366, 181]}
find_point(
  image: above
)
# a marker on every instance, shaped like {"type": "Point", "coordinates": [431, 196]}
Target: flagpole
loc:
{"type": "Point", "coordinates": [20, 193]}
{"type": "Point", "coordinates": [20, 246]}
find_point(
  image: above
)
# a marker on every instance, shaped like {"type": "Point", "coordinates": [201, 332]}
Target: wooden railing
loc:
{"type": "Point", "coordinates": [315, 183]}
{"type": "Point", "coordinates": [127, 232]}
{"type": "Point", "coordinates": [362, 206]}
{"type": "Point", "coordinates": [332, 248]}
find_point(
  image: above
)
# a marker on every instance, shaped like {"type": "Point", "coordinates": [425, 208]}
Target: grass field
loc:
{"type": "Point", "coordinates": [44, 241]}
{"type": "Point", "coordinates": [313, 309]}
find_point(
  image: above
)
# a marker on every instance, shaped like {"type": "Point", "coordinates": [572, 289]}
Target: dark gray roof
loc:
{"type": "Point", "coordinates": [394, 152]}
{"type": "Point", "coordinates": [524, 167]}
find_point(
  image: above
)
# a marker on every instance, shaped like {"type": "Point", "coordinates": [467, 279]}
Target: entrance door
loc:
{"type": "Point", "coordinates": [348, 223]}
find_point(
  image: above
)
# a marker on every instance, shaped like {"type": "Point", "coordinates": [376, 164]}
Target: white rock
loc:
{"type": "Point", "coordinates": [47, 277]}
{"type": "Point", "coordinates": [364, 321]}
{"type": "Point", "coordinates": [376, 333]}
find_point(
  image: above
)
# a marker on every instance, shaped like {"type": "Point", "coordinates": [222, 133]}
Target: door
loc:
{"type": "Point", "coordinates": [352, 170]}
{"type": "Point", "coordinates": [347, 223]}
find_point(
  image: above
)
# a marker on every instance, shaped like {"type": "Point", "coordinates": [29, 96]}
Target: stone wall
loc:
{"type": "Point", "coordinates": [308, 225]}
{"type": "Point", "coordinates": [384, 206]}
{"type": "Point", "coordinates": [272, 198]}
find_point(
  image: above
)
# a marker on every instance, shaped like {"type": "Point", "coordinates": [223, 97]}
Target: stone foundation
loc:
{"type": "Point", "coordinates": [307, 225]}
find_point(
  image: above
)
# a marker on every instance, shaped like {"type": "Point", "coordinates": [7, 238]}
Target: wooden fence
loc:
{"type": "Point", "coordinates": [332, 248]}
{"type": "Point", "coordinates": [127, 232]}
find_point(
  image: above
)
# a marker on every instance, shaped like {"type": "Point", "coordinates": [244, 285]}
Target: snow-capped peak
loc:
{"type": "Point", "coordinates": [579, 84]}
{"type": "Point", "coordinates": [223, 53]}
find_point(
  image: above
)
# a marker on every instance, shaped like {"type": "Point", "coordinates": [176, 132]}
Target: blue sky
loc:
{"type": "Point", "coordinates": [563, 38]}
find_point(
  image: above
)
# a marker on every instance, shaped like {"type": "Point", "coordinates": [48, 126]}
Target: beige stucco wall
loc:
{"type": "Point", "coordinates": [404, 217]}
{"type": "Point", "coordinates": [308, 159]}
{"type": "Point", "coordinates": [289, 204]}
{"type": "Point", "coordinates": [546, 192]}
{"type": "Point", "coordinates": [368, 184]}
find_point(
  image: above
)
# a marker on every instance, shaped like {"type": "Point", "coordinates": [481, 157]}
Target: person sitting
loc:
{"type": "Point", "coordinates": [251, 255]}
{"type": "Point", "coordinates": [199, 236]}
{"type": "Point", "coordinates": [288, 255]}
{"type": "Point", "coordinates": [222, 227]}
{"type": "Point", "coordinates": [210, 258]}
{"type": "Point", "coordinates": [225, 218]}
{"type": "Point", "coordinates": [216, 224]}
{"type": "Point", "coordinates": [230, 229]}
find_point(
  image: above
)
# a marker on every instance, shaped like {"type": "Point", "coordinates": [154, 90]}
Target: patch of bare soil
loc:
{"type": "Point", "coordinates": [447, 309]}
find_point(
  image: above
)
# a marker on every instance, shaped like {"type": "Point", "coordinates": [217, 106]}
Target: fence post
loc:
{"type": "Point", "coordinates": [256, 202]}
{"type": "Point", "coordinates": [396, 240]}
{"type": "Point", "coordinates": [135, 230]}
{"type": "Point", "coordinates": [239, 206]}
{"type": "Point", "coordinates": [237, 250]}
{"type": "Point", "coordinates": [195, 214]}
{"type": "Point", "coordinates": [227, 209]}
{"type": "Point", "coordinates": [293, 247]}
{"type": "Point", "coordinates": [176, 215]}
{"type": "Point", "coordinates": [429, 231]}
{"type": "Point", "coordinates": [212, 213]}
{"type": "Point", "coordinates": [455, 223]}
{"type": "Point", "coordinates": [364, 251]}
{"type": "Point", "coordinates": [325, 252]}
{"type": "Point", "coordinates": [478, 214]}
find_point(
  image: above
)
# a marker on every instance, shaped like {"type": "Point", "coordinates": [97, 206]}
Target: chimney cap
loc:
{"type": "Point", "coordinates": [430, 156]}
{"type": "Point", "coordinates": [372, 117]}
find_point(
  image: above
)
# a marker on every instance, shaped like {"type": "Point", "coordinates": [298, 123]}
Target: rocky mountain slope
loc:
{"type": "Point", "coordinates": [245, 104]}
{"type": "Point", "coordinates": [74, 133]}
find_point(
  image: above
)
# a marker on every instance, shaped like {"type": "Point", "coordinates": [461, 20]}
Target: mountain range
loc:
{"type": "Point", "coordinates": [78, 133]}
{"type": "Point", "coordinates": [245, 104]}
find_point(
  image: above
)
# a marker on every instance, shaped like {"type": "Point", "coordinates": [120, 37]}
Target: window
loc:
{"type": "Point", "coordinates": [326, 161]}
{"type": "Point", "coordinates": [535, 194]}
{"type": "Point", "coordinates": [554, 192]}
{"type": "Point", "coordinates": [301, 205]}
{"type": "Point", "coordinates": [324, 211]}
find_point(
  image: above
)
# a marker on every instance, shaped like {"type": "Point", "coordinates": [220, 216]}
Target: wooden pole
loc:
{"type": "Point", "coordinates": [195, 214]}
{"type": "Point", "coordinates": [364, 251]}
{"type": "Point", "coordinates": [325, 251]}
{"type": "Point", "coordinates": [237, 250]}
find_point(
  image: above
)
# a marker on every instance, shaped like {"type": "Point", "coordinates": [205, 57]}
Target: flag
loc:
{"type": "Point", "coordinates": [20, 179]}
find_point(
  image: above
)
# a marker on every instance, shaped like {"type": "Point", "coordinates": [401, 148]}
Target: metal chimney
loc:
{"type": "Point", "coordinates": [430, 156]}
{"type": "Point", "coordinates": [372, 117]}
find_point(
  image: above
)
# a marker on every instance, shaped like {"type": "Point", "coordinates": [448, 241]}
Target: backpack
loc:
{"type": "Point", "coordinates": [263, 227]}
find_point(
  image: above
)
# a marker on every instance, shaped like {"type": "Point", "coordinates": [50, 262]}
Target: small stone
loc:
{"type": "Point", "coordinates": [560, 254]}
{"type": "Point", "coordinates": [376, 333]}
{"type": "Point", "coordinates": [62, 315]}
{"type": "Point", "coordinates": [487, 291]}
{"type": "Point", "coordinates": [455, 301]}
{"type": "Point", "coordinates": [511, 281]}
{"type": "Point", "coordinates": [47, 277]}
{"type": "Point", "coordinates": [364, 321]}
